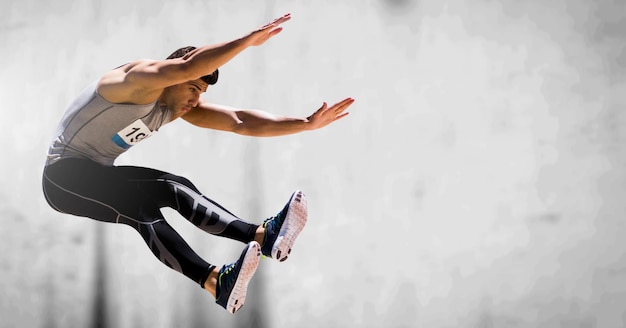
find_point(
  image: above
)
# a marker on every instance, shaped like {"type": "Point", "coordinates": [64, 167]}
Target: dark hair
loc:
{"type": "Point", "coordinates": [209, 79]}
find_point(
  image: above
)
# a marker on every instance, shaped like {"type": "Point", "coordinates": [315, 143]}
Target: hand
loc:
{"type": "Point", "coordinates": [263, 34]}
{"type": "Point", "coordinates": [326, 115]}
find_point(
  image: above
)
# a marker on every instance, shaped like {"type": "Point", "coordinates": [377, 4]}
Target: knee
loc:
{"type": "Point", "coordinates": [181, 180]}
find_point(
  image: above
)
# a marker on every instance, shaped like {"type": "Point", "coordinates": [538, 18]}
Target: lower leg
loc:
{"type": "Point", "coordinates": [207, 214]}
{"type": "Point", "coordinates": [172, 250]}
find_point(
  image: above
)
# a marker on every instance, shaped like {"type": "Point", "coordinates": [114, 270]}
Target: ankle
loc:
{"type": "Point", "coordinates": [259, 235]}
{"type": "Point", "coordinates": [211, 282]}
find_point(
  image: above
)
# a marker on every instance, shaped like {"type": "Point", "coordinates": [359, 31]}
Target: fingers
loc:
{"type": "Point", "coordinates": [266, 32]}
{"type": "Point", "coordinates": [337, 110]}
{"type": "Point", "coordinates": [326, 115]}
{"type": "Point", "coordinates": [341, 106]}
{"type": "Point", "coordinates": [275, 31]}
{"type": "Point", "coordinates": [277, 21]}
{"type": "Point", "coordinates": [282, 19]}
{"type": "Point", "coordinates": [341, 116]}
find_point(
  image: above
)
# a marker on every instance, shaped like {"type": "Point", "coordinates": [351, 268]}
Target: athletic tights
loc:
{"type": "Point", "coordinates": [134, 196]}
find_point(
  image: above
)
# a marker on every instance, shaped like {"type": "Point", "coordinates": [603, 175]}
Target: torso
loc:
{"type": "Point", "coordinates": [100, 130]}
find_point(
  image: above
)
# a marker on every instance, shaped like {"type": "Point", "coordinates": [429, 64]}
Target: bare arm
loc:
{"type": "Point", "coordinates": [260, 123]}
{"type": "Point", "coordinates": [143, 81]}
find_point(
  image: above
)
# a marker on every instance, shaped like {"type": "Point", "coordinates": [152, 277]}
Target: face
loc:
{"type": "Point", "coordinates": [181, 98]}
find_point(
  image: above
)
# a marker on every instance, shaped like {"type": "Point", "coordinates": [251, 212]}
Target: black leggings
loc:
{"type": "Point", "coordinates": [134, 196]}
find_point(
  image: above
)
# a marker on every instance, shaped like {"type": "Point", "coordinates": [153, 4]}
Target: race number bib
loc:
{"type": "Point", "coordinates": [132, 134]}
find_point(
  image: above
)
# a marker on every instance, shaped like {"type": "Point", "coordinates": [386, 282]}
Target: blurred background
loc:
{"type": "Point", "coordinates": [477, 182]}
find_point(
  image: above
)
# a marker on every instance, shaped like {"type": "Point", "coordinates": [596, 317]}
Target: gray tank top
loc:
{"type": "Point", "coordinates": [98, 130]}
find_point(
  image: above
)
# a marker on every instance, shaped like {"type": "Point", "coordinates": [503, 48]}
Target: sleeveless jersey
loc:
{"type": "Point", "coordinates": [95, 129]}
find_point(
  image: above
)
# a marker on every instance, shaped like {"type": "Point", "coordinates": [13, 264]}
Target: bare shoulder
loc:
{"type": "Point", "coordinates": [116, 86]}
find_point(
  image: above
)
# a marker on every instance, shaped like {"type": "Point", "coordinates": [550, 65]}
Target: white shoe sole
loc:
{"type": "Point", "coordinates": [292, 226]}
{"type": "Point", "coordinates": [248, 268]}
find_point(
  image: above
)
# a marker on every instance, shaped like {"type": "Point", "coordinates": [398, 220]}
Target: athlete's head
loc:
{"type": "Point", "coordinates": [182, 97]}
{"type": "Point", "coordinates": [208, 79]}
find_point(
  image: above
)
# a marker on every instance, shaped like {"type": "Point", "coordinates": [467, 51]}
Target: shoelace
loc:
{"type": "Point", "coordinates": [274, 220]}
{"type": "Point", "coordinates": [225, 273]}
{"type": "Point", "coordinates": [229, 268]}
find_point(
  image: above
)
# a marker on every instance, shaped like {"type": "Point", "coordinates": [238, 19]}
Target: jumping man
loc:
{"type": "Point", "coordinates": [127, 105]}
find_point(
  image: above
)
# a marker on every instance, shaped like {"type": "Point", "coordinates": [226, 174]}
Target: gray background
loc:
{"type": "Point", "coordinates": [478, 181]}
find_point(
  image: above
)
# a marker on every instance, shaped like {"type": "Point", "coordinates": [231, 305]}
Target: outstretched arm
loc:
{"type": "Point", "coordinates": [143, 80]}
{"type": "Point", "coordinates": [263, 124]}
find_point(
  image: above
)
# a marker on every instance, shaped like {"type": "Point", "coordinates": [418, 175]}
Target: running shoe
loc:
{"type": "Point", "coordinates": [282, 230]}
{"type": "Point", "coordinates": [233, 279]}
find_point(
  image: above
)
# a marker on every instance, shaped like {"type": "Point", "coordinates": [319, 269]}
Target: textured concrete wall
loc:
{"type": "Point", "coordinates": [478, 182]}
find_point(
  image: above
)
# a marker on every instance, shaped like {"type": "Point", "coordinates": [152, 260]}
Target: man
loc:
{"type": "Point", "coordinates": [127, 105]}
